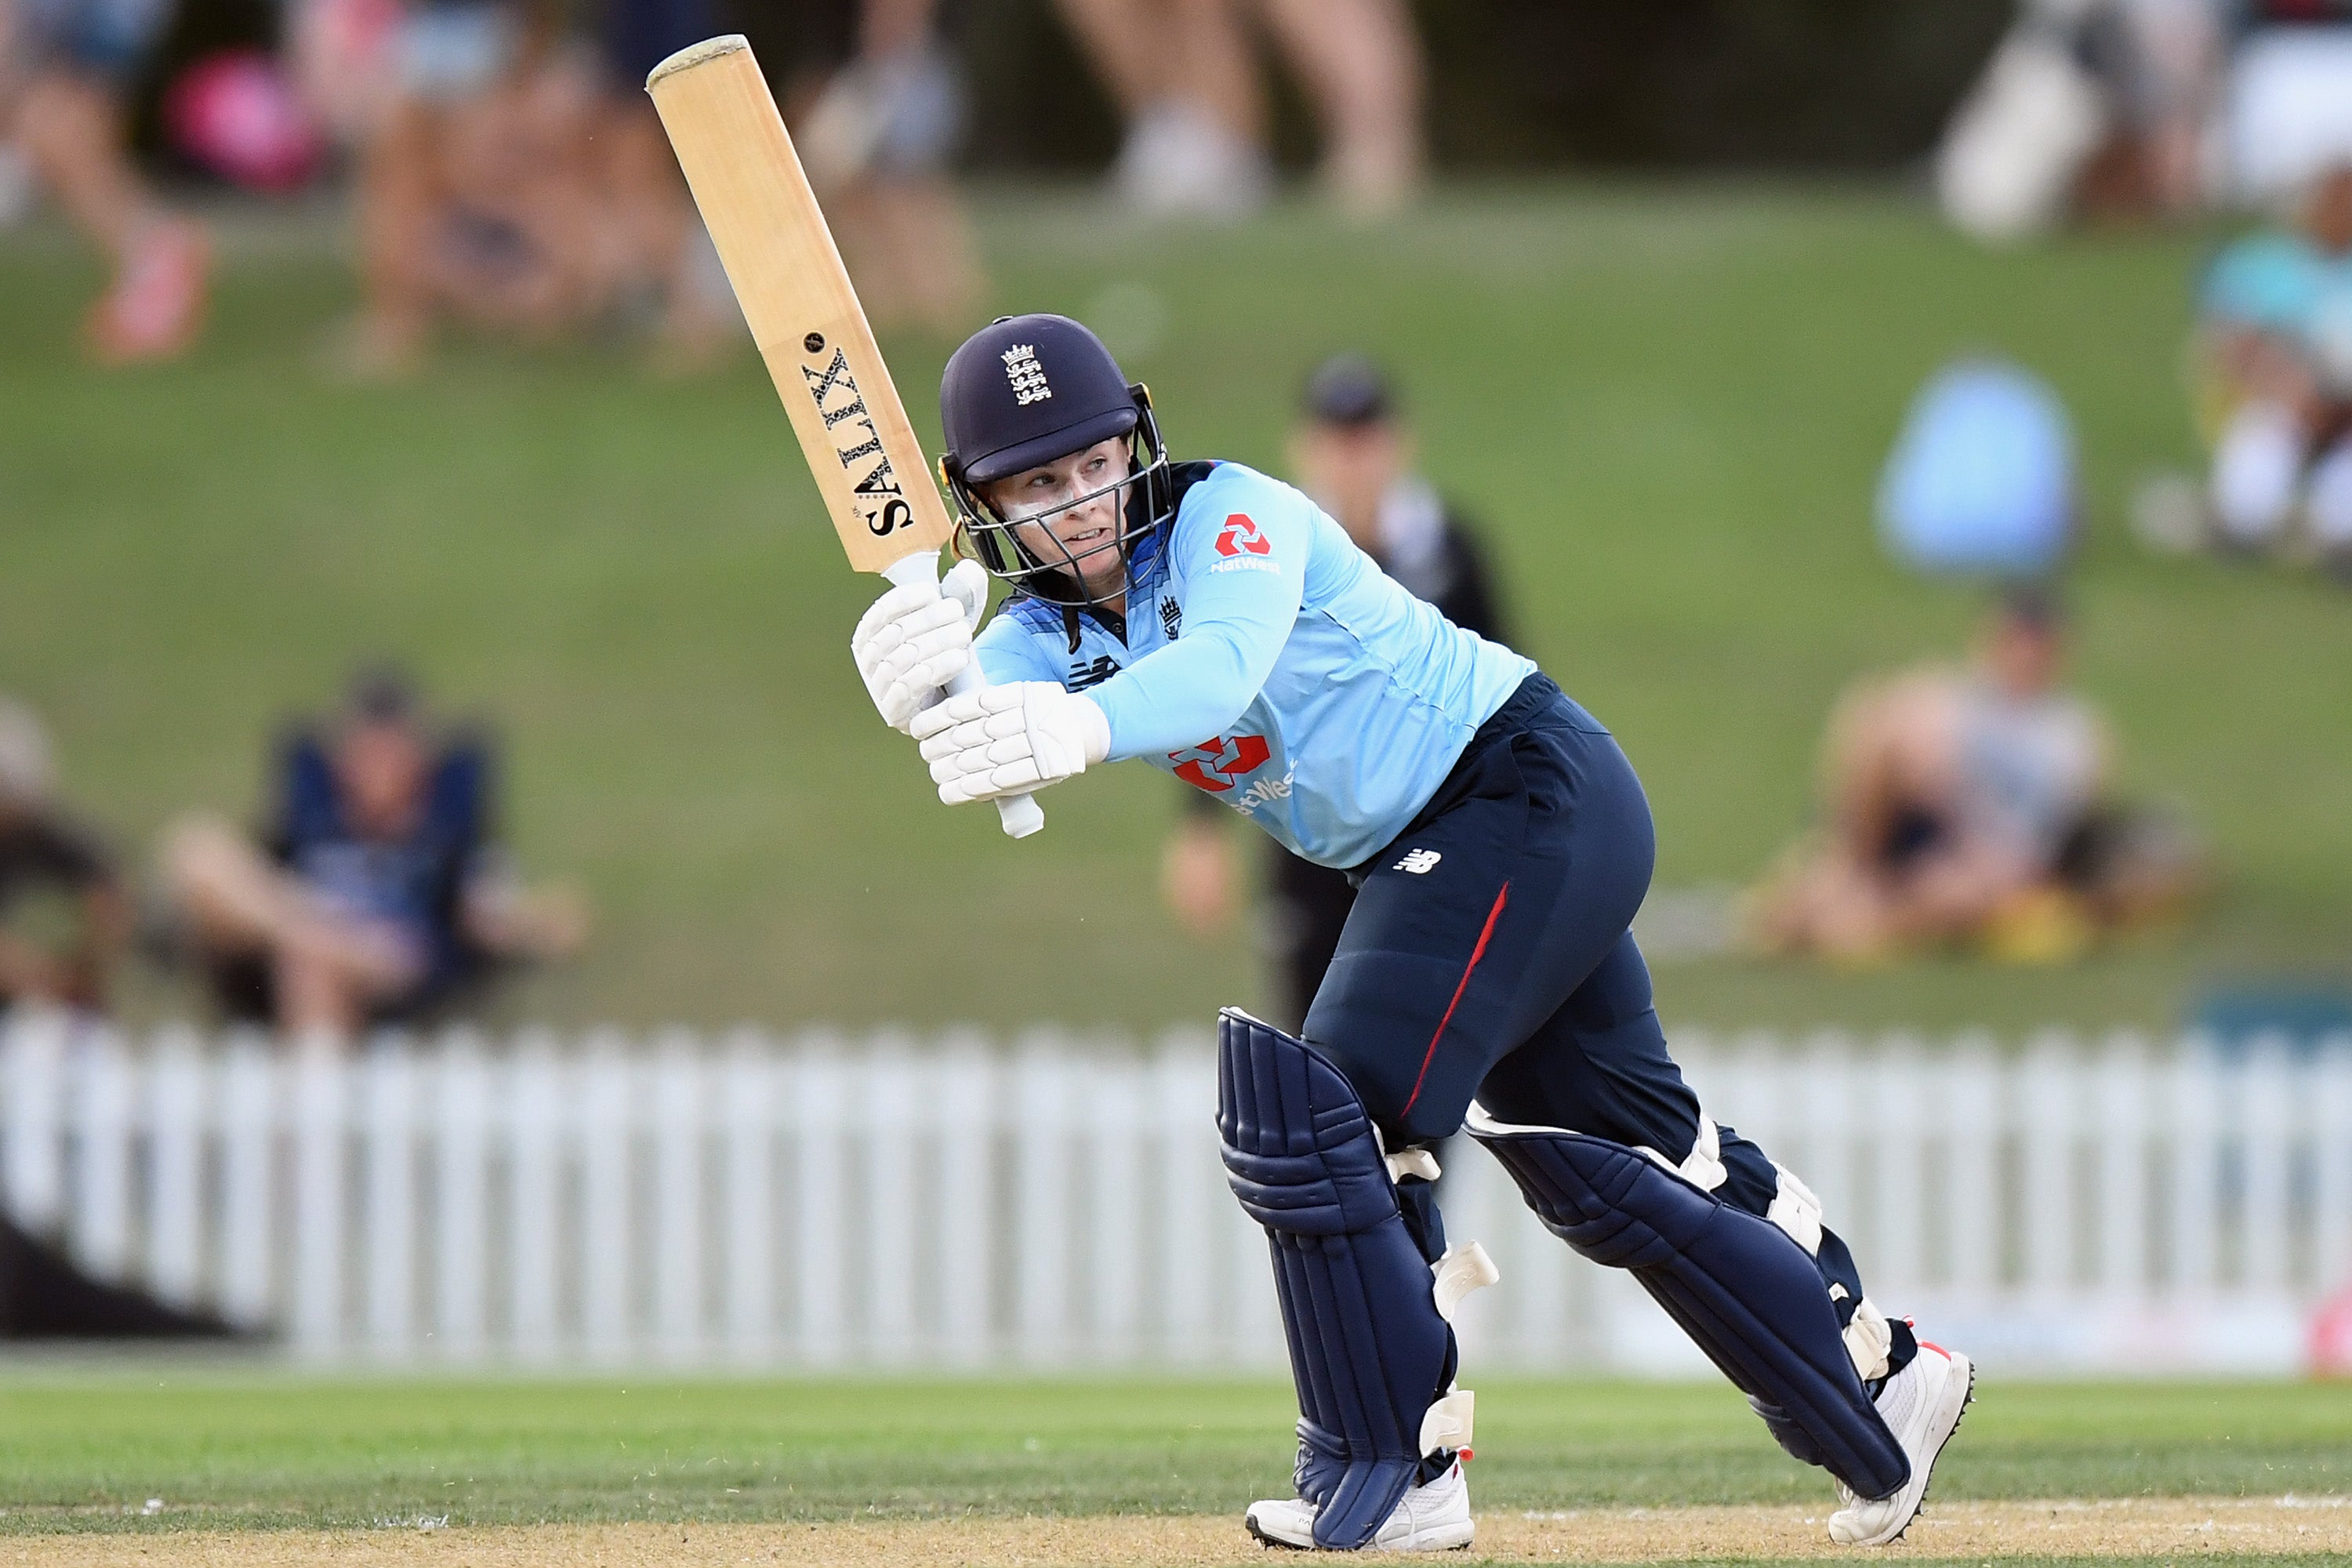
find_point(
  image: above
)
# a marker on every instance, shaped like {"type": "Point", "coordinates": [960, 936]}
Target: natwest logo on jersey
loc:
{"type": "Point", "coordinates": [1241, 535]}
{"type": "Point", "coordinates": [1213, 765]}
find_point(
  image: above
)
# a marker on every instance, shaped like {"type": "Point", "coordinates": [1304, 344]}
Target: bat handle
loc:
{"type": "Point", "coordinates": [1019, 815]}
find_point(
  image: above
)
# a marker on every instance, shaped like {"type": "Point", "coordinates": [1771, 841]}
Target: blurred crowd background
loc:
{"type": "Point", "coordinates": [1924, 429]}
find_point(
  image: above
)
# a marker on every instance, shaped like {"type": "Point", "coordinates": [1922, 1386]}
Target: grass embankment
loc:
{"type": "Point", "coordinates": [1667, 405]}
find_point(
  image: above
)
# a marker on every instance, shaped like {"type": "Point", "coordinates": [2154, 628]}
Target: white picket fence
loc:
{"type": "Point", "coordinates": [1057, 1200]}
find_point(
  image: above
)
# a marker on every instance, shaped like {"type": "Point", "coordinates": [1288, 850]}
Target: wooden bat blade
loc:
{"type": "Point", "coordinates": [796, 296]}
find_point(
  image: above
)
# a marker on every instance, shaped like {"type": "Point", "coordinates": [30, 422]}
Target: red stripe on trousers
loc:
{"type": "Point", "coordinates": [1476, 953]}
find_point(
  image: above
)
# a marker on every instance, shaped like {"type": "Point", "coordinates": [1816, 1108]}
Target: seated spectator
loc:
{"type": "Point", "coordinates": [659, 250]}
{"type": "Point", "coordinates": [377, 894]}
{"type": "Point", "coordinates": [40, 849]}
{"type": "Point", "coordinates": [2096, 107]}
{"type": "Point", "coordinates": [478, 192]}
{"type": "Point", "coordinates": [2276, 337]}
{"type": "Point", "coordinates": [1971, 805]}
{"type": "Point", "coordinates": [879, 142]}
{"type": "Point", "coordinates": [515, 179]}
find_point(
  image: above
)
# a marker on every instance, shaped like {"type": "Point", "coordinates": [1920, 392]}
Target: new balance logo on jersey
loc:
{"type": "Point", "coordinates": [1028, 378]}
{"type": "Point", "coordinates": [1084, 675]}
{"type": "Point", "coordinates": [1241, 535]}
{"type": "Point", "coordinates": [1213, 765]}
{"type": "Point", "coordinates": [1418, 861]}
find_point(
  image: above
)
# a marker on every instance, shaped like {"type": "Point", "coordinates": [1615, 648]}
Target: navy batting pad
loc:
{"type": "Point", "coordinates": [1367, 1351]}
{"type": "Point", "coordinates": [1739, 1285]}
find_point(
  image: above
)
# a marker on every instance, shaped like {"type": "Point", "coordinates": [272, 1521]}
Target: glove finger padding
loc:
{"type": "Point", "coordinates": [910, 643]}
{"type": "Point", "coordinates": [906, 599]}
{"type": "Point", "coordinates": [1003, 739]}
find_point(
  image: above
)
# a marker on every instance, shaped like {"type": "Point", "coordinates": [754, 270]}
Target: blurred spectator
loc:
{"type": "Point", "coordinates": [2287, 105]}
{"type": "Point", "coordinates": [239, 114]}
{"type": "Point", "coordinates": [1982, 479]}
{"type": "Point", "coordinates": [2093, 105]}
{"type": "Point", "coordinates": [1186, 79]}
{"type": "Point", "coordinates": [345, 59]}
{"type": "Point", "coordinates": [663, 253]}
{"type": "Point", "coordinates": [462, 180]}
{"type": "Point", "coordinates": [1972, 805]}
{"type": "Point", "coordinates": [2149, 107]}
{"type": "Point", "coordinates": [64, 68]}
{"type": "Point", "coordinates": [2276, 342]}
{"type": "Point", "coordinates": [377, 892]}
{"type": "Point", "coordinates": [517, 180]}
{"type": "Point", "coordinates": [876, 144]}
{"type": "Point", "coordinates": [1353, 452]}
{"type": "Point", "coordinates": [66, 964]}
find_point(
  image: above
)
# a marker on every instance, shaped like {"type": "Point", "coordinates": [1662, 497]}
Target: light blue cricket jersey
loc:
{"type": "Point", "coordinates": [1271, 662]}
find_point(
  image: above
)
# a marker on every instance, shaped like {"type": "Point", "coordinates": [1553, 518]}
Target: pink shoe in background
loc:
{"type": "Point", "coordinates": [156, 306]}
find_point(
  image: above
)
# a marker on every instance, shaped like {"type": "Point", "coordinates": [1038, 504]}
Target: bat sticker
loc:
{"type": "Point", "coordinates": [860, 441]}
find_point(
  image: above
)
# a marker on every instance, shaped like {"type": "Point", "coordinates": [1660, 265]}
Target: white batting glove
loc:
{"type": "Point", "coordinates": [916, 638]}
{"type": "Point", "coordinates": [1007, 740]}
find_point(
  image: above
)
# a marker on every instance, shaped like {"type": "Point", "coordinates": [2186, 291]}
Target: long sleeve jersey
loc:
{"type": "Point", "coordinates": [1270, 662]}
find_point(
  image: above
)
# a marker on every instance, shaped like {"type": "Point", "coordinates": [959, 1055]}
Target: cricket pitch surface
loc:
{"type": "Point", "coordinates": [2135, 1528]}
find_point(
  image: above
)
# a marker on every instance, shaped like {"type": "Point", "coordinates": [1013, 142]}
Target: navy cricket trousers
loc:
{"type": "Point", "coordinates": [1489, 954]}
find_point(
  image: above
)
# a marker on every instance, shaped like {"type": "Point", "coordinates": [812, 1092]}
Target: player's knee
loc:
{"type": "Point", "coordinates": [1299, 1151]}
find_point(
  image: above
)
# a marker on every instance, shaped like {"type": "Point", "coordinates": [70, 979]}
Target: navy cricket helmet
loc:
{"type": "Point", "coordinates": [1021, 391]}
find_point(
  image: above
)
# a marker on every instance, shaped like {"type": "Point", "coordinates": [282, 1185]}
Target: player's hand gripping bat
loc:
{"type": "Point", "coordinates": [810, 329]}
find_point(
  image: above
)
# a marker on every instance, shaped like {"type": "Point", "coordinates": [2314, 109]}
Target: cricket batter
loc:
{"type": "Point", "coordinates": [1215, 623]}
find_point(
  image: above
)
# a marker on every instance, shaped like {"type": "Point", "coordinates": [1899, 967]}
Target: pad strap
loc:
{"type": "Point", "coordinates": [1369, 1350]}
{"type": "Point", "coordinates": [1741, 1287]}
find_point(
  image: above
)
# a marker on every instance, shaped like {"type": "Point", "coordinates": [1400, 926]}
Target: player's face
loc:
{"type": "Point", "coordinates": [1068, 510]}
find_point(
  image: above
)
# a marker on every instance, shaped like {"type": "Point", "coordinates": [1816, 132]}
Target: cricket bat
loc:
{"type": "Point", "coordinates": [805, 315]}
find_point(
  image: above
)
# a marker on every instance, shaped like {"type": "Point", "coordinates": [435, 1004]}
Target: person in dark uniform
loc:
{"type": "Point", "coordinates": [377, 890]}
{"type": "Point", "coordinates": [1352, 450]}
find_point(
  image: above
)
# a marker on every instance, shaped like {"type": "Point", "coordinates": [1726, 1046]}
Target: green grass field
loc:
{"type": "Point", "coordinates": [1668, 403]}
{"type": "Point", "coordinates": [81, 1450]}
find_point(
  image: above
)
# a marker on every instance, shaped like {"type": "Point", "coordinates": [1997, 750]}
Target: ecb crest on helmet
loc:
{"type": "Point", "coordinates": [1028, 377]}
{"type": "Point", "coordinates": [1002, 417]}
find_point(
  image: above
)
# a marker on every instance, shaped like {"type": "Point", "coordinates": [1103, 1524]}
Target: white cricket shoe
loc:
{"type": "Point", "coordinates": [1922, 1405]}
{"type": "Point", "coordinates": [1433, 1517]}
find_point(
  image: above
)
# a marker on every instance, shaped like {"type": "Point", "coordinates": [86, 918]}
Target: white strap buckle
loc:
{"type": "Point", "coordinates": [1413, 1163]}
{"type": "Point", "coordinates": [1446, 1424]}
{"type": "Point", "coordinates": [1464, 1268]}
